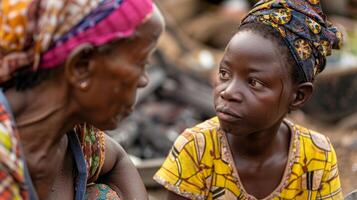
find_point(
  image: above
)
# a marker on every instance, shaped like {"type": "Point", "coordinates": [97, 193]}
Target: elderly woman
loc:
{"type": "Point", "coordinates": [64, 65]}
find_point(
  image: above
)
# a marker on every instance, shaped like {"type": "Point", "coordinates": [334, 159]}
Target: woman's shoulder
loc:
{"type": "Point", "coordinates": [8, 135]}
{"type": "Point", "coordinates": [92, 142]}
{"type": "Point", "coordinates": [12, 178]}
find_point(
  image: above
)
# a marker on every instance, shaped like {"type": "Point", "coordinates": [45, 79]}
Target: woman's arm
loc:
{"type": "Point", "coordinates": [120, 173]}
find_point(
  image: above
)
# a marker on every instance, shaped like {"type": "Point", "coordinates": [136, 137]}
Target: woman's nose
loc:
{"type": "Point", "coordinates": [144, 80]}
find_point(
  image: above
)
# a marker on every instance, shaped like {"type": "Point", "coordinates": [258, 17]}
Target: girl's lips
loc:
{"type": "Point", "coordinates": [225, 115]}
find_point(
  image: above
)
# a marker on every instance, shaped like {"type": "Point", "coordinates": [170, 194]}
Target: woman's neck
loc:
{"type": "Point", "coordinates": [43, 116]}
{"type": "Point", "coordinates": [261, 145]}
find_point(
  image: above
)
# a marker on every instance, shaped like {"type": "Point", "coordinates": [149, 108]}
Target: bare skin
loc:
{"type": "Point", "coordinates": [47, 112]}
{"type": "Point", "coordinates": [253, 93]}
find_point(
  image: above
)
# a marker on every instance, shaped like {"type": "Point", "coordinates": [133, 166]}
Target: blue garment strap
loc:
{"type": "Point", "coordinates": [28, 181]}
{"type": "Point", "coordinates": [81, 181]}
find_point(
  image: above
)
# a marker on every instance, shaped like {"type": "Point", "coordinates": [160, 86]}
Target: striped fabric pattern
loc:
{"type": "Point", "coordinates": [12, 180]}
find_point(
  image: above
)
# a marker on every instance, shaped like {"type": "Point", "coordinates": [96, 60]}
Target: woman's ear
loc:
{"type": "Point", "coordinates": [78, 67]}
{"type": "Point", "coordinates": [302, 95]}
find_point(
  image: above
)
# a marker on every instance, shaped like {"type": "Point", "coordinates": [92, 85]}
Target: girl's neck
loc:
{"type": "Point", "coordinates": [261, 145]}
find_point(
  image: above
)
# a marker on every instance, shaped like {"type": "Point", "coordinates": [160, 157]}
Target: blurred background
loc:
{"type": "Point", "coordinates": [185, 63]}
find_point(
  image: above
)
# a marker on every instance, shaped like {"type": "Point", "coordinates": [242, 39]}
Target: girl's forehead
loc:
{"type": "Point", "coordinates": [255, 45]}
{"type": "Point", "coordinates": [254, 53]}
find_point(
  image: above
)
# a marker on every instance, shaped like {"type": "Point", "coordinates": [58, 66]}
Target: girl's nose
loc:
{"type": "Point", "coordinates": [232, 93]}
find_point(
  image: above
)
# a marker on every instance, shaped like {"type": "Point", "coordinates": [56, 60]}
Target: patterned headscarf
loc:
{"type": "Point", "coordinates": [42, 33]}
{"type": "Point", "coordinates": [305, 29]}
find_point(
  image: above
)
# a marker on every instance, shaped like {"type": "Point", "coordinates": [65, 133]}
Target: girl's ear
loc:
{"type": "Point", "coordinates": [302, 95]}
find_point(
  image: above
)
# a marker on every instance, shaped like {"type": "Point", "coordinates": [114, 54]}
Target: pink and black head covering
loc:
{"type": "Point", "coordinates": [42, 33]}
{"type": "Point", "coordinates": [304, 28]}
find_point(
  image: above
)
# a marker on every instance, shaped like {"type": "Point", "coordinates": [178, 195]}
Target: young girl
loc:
{"type": "Point", "coordinates": [250, 151]}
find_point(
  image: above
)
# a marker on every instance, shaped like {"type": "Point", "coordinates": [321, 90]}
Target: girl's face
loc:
{"type": "Point", "coordinates": [253, 90]}
{"type": "Point", "coordinates": [119, 70]}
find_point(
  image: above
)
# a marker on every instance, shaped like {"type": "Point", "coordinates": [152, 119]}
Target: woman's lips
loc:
{"type": "Point", "coordinates": [128, 111]}
{"type": "Point", "coordinates": [125, 113]}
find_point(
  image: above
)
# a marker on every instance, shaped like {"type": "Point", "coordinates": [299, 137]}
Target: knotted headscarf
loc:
{"type": "Point", "coordinates": [305, 29]}
{"type": "Point", "coordinates": [42, 33]}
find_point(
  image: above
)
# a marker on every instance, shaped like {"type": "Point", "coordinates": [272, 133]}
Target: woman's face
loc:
{"type": "Point", "coordinates": [118, 71]}
{"type": "Point", "coordinates": [253, 89]}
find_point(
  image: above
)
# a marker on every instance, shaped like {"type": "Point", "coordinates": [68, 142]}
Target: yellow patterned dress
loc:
{"type": "Point", "coordinates": [200, 166]}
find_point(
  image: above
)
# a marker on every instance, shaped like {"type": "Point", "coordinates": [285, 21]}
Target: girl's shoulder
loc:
{"type": "Point", "coordinates": [206, 126]}
{"type": "Point", "coordinates": [311, 138]}
{"type": "Point", "coordinates": [200, 139]}
{"type": "Point", "coordinates": [313, 164]}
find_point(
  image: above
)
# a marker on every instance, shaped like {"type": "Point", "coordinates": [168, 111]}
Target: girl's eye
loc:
{"type": "Point", "coordinates": [256, 84]}
{"type": "Point", "coordinates": [223, 74]}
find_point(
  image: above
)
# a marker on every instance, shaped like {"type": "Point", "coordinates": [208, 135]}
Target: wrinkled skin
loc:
{"type": "Point", "coordinates": [119, 72]}
{"type": "Point", "coordinates": [94, 85]}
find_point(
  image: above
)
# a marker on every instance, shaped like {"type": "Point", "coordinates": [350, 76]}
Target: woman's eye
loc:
{"type": "Point", "coordinates": [254, 83]}
{"type": "Point", "coordinates": [143, 65]}
{"type": "Point", "coordinates": [223, 75]}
